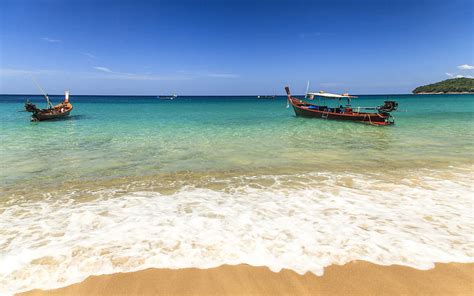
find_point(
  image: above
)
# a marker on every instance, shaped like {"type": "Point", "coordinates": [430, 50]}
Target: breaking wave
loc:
{"type": "Point", "coordinates": [299, 222]}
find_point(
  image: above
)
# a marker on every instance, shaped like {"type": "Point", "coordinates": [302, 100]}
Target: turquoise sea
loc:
{"type": "Point", "coordinates": [127, 183]}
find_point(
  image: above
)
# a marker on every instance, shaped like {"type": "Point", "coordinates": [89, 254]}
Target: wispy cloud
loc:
{"type": "Point", "coordinates": [222, 75]}
{"type": "Point", "coordinates": [459, 76]}
{"type": "Point", "coordinates": [136, 76]}
{"type": "Point", "coordinates": [105, 72]}
{"type": "Point", "coordinates": [88, 54]}
{"type": "Point", "coordinates": [104, 69]}
{"type": "Point", "coordinates": [51, 40]}
{"type": "Point", "coordinates": [181, 75]}
{"type": "Point", "coordinates": [465, 67]}
{"type": "Point", "coordinates": [204, 74]}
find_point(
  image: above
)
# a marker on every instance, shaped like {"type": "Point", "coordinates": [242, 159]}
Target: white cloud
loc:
{"type": "Point", "coordinates": [459, 76]}
{"type": "Point", "coordinates": [181, 75]}
{"type": "Point", "coordinates": [466, 67]}
{"type": "Point", "coordinates": [87, 54]}
{"type": "Point", "coordinates": [104, 69]}
{"type": "Point", "coordinates": [132, 76]}
{"type": "Point", "coordinates": [109, 74]}
{"type": "Point", "coordinates": [135, 76]}
{"type": "Point", "coordinates": [50, 40]}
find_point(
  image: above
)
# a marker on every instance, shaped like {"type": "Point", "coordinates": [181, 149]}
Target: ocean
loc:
{"type": "Point", "coordinates": [127, 183]}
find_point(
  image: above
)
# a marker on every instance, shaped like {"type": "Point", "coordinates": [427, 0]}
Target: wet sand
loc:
{"type": "Point", "coordinates": [355, 278]}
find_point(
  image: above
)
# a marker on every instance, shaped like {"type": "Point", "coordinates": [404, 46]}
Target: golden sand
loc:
{"type": "Point", "coordinates": [356, 278]}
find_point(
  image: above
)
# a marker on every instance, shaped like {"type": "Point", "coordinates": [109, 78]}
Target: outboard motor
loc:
{"type": "Point", "coordinates": [30, 107]}
{"type": "Point", "coordinates": [388, 106]}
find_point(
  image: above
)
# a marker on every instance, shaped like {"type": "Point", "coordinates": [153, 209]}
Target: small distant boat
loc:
{"type": "Point", "coordinates": [168, 97]}
{"type": "Point", "coordinates": [53, 112]}
{"type": "Point", "coordinates": [266, 97]}
{"type": "Point", "coordinates": [381, 116]}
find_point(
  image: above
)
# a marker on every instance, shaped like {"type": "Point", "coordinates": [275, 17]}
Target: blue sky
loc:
{"type": "Point", "coordinates": [232, 47]}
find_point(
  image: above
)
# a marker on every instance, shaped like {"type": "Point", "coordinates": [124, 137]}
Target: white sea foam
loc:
{"type": "Point", "coordinates": [326, 219]}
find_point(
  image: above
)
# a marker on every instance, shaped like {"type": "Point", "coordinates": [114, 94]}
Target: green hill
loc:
{"type": "Point", "coordinates": [455, 85]}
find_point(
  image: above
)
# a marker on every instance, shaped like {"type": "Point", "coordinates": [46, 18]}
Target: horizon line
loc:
{"type": "Point", "coordinates": [190, 95]}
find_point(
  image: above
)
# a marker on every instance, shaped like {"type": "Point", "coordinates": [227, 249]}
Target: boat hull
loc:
{"type": "Point", "coordinates": [59, 111]}
{"type": "Point", "coordinates": [49, 116]}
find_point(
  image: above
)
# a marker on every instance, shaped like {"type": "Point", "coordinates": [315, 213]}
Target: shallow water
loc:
{"type": "Point", "coordinates": [127, 183]}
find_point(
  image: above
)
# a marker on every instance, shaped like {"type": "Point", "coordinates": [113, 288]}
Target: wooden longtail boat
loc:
{"type": "Point", "coordinates": [53, 112]}
{"type": "Point", "coordinates": [381, 116]}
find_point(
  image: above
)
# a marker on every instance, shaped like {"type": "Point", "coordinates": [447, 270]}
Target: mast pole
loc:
{"type": "Point", "coordinates": [44, 94]}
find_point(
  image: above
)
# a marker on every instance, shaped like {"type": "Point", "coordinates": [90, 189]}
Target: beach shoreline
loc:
{"type": "Point", "coordinates": [354, 278]}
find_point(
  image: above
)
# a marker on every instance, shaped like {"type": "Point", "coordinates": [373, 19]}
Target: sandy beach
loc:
{"type": "Point", "coordinates": [355, 278]}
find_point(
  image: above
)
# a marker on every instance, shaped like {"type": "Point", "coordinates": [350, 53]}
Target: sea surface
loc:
{"type": "Point", "coordinates": [126, 183]}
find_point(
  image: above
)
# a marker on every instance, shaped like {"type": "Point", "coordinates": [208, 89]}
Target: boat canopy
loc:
{"type": "Point", "coordinates": [332, 96]}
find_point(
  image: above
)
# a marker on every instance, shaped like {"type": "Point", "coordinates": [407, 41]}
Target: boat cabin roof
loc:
{"type": "Point", "coordinates": [332, 96]}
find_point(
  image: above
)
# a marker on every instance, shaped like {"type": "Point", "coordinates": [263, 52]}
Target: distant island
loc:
{"type": "Point", "coordinates": [452, 86]}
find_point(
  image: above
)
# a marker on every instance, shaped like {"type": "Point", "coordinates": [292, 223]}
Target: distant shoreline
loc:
{"type": "Point", "coordinates": [453, 86]}
{"type": "Point", "coordinates": [445, 93]}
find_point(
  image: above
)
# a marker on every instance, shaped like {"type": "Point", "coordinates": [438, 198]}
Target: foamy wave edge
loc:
{"type": "Point", "coordinates": [333, 220]}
